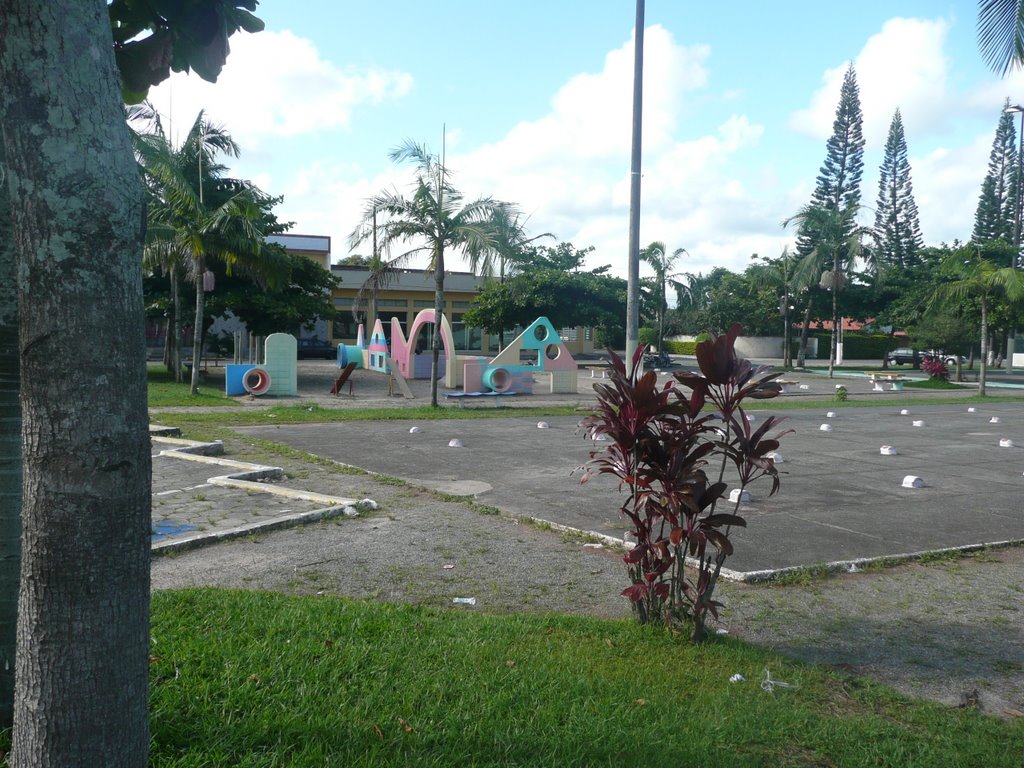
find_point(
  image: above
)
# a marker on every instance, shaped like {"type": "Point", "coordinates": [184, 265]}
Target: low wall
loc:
{"type": "Point", "coordinates": [763, 346]}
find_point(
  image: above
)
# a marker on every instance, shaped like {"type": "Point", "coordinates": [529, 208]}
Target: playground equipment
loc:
{"type": "Point", "coordinates": [508, 373]}
{"type": "Point", "coordinates": [278, 375]}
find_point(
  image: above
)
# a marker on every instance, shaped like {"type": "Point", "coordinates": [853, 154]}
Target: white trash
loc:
{"type": "Point", "coordinates": [737, 678]}
{"type": "Point", "coordinates": [350, 511]}
{"type": "Point", "coordinates": [825, 428]}
{"type": "Point", "coordinates": [1006, 443]}
{"type": "Point", "coordinates": [918, 422]}
{"type": "Point", "coordinates": [464, 600]}
{"type": "Point", "coordinates": [543, 425]}
{"type": "Point", "coordinates": [830, 415]}
{"type": "Point", "coordinates": [414, 430]}
{"type": "Point", "coordinates": [994, 420]}
{"type": "Point", "coordinates": [888, 450]}
{"type": "Point", "coordinates": [972, 409]}
{"type": "Point", "coordinates": [368, 504]}
{"type": "Point", "coordinates": [776, 457]}
{"type": "Point", "coordinates": [805, 386]}
{"type": "Point", "coordinates": [904, 412]}
{"type": "Point", "coordinates": [912, 481]}
{"type": "Point", "coordinates": [739, 494]}
{"type": "Point", "coordinates": [455, 443]}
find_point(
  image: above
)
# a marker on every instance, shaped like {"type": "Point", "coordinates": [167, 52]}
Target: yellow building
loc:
{"type": "Point", "coordinates": [408, 292]}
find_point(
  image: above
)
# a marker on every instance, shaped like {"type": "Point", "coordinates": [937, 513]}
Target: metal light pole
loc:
{"type": "Point", "coordinates": [1011, 341]}
{"type": "Point", "coordinates": [633, 282]}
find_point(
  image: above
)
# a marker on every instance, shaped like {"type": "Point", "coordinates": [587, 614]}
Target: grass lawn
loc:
{"type": "Point", "coordinates": [164, 391]}
{"type": "Point", "coordinates": [933, 384]}
{"type": "Point", "coordinates": [257, 679]}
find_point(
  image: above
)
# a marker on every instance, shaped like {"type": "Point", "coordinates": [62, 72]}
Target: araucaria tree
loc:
{"type": "Point", "coordinates": [994, 217]}
{"type": "Point", "coordinates": [433, 220]}
{"type": "Point", "coordinates": [838, 184]}
{"type": "Point", "coordinates": [897, 225]}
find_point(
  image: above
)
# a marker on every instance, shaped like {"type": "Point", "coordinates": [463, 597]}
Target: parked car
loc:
{"type": "Point", "coordinates": [908, 356]}
{"type": "Point", "coordinates": [316, 348]}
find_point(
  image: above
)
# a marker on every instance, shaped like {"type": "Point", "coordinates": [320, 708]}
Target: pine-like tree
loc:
{"type": "Point", "coordinates": [838, 186]}
{"type": "Point", "coordinates": [896, 219]}
{"type": "Point", "coordinates": [995, 214]}
{"type": "Point", "coordinates": [838, 183]}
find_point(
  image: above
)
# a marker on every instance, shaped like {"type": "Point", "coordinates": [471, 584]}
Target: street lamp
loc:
{"type": "Point", "coordinates": [1011, 341]}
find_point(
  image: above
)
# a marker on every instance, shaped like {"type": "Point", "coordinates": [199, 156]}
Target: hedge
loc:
{"type": "Point", "coordinates": [681, 347]}
{"type": "Point", "coordinates": [858, 346]}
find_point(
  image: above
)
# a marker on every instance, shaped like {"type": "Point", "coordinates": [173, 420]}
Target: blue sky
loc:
{"type": "Point", "coordinates": [535, 97]}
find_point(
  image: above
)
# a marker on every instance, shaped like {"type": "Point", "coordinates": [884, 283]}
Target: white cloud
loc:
{"type": "Point", "coordinates": [905, 66]}
{"type": "Point", "coordinates": [276, 84]}
{"type": "Point", "coordinates": [947, 182]}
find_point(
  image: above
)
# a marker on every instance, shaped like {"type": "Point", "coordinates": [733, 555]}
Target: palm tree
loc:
{"type": "Point", "coordinates": [432, 220]}
{"type": "Point", "coordinates": [777, 275]}
{"type": "Point", "coordinates": [656, 254]}
{"type": "Point", "coordinates": [975, 277]}
{"type": "Point", "coordinates": [838, 245]}
{"type": "Point", "coordinates": [511, 248]}
{"type": "Point", "coordinates": [1001, 34]}
{"type": "Point", "coordinates": [198, 214]}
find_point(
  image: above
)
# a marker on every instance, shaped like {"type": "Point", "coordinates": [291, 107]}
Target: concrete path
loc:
{"type": "Point", "coordinates": [840, 499]}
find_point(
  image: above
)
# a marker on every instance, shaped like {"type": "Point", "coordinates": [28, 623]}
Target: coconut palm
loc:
{"type": "Point", "coordinates": [511, 248]}
{"type": "Point", "coordinates": [1001, 34]}
{"type": "Point", "coordinates": [975, 277]}
{"type": "Point", "coordinates": [198, 214]}
{"type": "Point", "coordinates": [839, 243]}
{"type": "Point", "coordinates": [432, 220]}
{"type": "Point", "coordinates": [777, 275]}
{"type": "Point", "coordinates": [656, 254]}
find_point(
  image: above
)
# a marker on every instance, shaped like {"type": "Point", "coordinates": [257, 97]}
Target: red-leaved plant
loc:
{"type": "Point", "coordinates": [935, 368]}
{"type": "Point", "coordinates": [662, 446]}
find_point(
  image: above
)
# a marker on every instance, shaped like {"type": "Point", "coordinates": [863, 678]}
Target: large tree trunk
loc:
{"type": "Point", "coordinates": [77, 205]}
{"type": "Point", "coordinates": [10, 461]}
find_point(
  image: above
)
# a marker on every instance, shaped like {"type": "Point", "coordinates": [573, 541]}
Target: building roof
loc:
{"type": "Point", "coordinates": [317, 243]}
{"type": "Point", "coordinates": [409, 279]}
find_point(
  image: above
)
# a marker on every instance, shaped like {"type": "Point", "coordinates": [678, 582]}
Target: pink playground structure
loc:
{"type": "Point", "coordinates": [506, 373]}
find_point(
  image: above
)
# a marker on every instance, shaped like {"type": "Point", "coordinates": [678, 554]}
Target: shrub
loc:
{"type": "Point", "coordinates": [841, 394]}
{"type": "Point", "coordinates": [859, 346]}
{"type": "Point", "coordinates": [647, 336]}
{"type": "Point", "coordinates": [680, 347]}
{"type": "Point", "coordinates": [662, 444]}
{"type": "Point", "coordinates": [935, 368]}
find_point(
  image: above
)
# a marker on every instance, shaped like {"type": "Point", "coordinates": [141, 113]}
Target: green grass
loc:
{"type": "Point", "coordinates": [255, 679]}
{"type": "Point", "coordinates": [933, 384]}
{"type": "Point", "coordinates": [309, 412]}
{"type": "Point", "coordinates": [165, 392]}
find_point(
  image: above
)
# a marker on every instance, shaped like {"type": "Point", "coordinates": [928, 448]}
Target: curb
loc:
{"type": "Point", "coordinates": [246, 478]}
